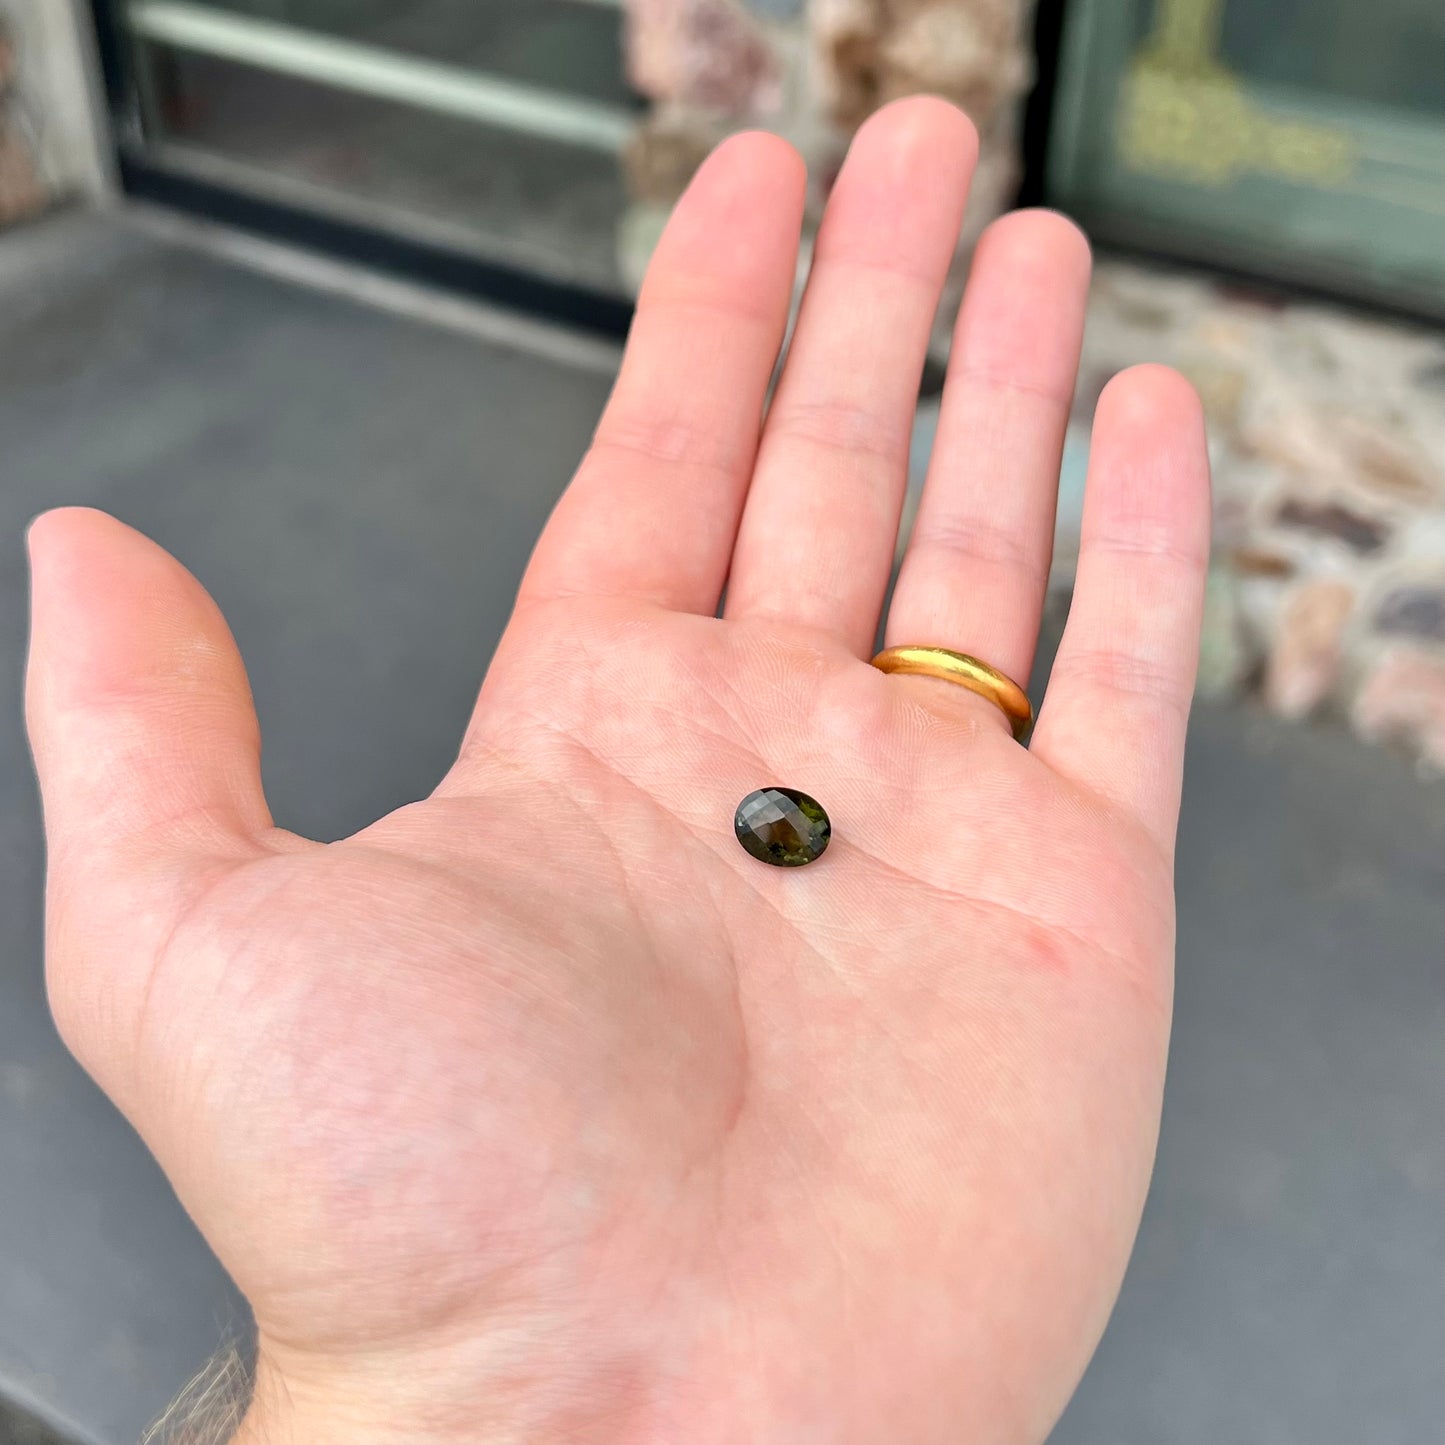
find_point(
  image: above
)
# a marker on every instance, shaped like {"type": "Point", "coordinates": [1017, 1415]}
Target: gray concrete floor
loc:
{"type": "Point", "coordinates": [359, 490]}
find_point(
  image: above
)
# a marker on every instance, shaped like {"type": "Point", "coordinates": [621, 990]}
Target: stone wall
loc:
{"type": "Point", "coordinates": [812, 72]}
{"type": "Point", "coordinates": [1328, 441]}
{"type": "Point", "coordinates": [52, 135]}
{"type": "Point", "coordinates": [22, 191]}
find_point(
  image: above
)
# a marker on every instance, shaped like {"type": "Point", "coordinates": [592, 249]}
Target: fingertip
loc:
{"type": "Point", "coordinates": [134, 688]}
{"type": "Point", "coordinates": [733, 235]}
{"type": "Point", "coordinates": [760, 150]}
{"type": "Point", "coordinates": [56, 543]}
{"type": "Point", "coordinates": [899, 199]}
{"type": "Point", "coordinates": [1149, 466]}
{"type": "Point", "coordinates": [1020, 328]}
{"type": "Point", "coordinates": [113, 611]}
{"type": "Point", "coordinates": [754, 166]}
{"type": "Point", "coordinates": [37, 533]}
{"type": "Point", "coordinates": [1039, 239]}
{"type": "Point", "coordinates": [59, 528]}
{"type": "Point", "coordinates": [1150, 397]}
{"type": "Point", "coordinates": [922, 122]}
{"type": "Point", "coordinates": [84, 553]}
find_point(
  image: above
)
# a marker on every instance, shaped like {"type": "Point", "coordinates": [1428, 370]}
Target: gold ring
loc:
{"type": "Point", "coordinates": [957, 667]}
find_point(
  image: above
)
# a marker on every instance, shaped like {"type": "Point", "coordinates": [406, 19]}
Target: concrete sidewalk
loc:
{"type": "Point", "coordinates": [360, 489]}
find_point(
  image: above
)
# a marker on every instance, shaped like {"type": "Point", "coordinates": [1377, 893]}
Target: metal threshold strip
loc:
{"type": "Point", "coordinates": [369, 70]}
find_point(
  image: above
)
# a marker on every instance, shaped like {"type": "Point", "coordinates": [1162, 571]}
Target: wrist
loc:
{"type": "Point", "coordinates": [540, 1382]}
{"type": "Point", "coordinates": [302, 1408]}
{"type": "Point", "coordinates": [447, 1396]}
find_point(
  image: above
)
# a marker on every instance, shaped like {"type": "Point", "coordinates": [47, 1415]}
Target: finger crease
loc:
{"type": "Point", "coordinates": [1189, 558]}
{"type": "Point", "coordinates": [983, 542]}
{"type": "Point", "coordinates": [838, 427]}
{"type": "Point", "coordinates": [670, 446]}
{"type": "Point", "coordinates": [985, 378]}
{"type": "Point", "coordinates": [1122, 672]}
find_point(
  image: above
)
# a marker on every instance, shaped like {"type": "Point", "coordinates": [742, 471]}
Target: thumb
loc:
{"type": "Point", "coordinates": [148, 751]}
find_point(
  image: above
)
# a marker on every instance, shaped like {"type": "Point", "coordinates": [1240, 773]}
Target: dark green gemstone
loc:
{"type": "Point", "coordinates": [783, 827]}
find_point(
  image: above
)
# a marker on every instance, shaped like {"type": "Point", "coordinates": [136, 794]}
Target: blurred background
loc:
{"type": "Point", "coordinates": [326, 296]}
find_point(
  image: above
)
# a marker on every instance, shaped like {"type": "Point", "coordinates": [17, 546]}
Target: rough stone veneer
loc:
{"type": "Point", "coordinates": [22, 191]}
{"type": "Point", "coordinates": [812, 72]}
{"type": "Point", "coordinates": [1327, 434]}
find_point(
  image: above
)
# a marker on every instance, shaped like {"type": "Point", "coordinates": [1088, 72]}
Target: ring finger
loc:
{"type": "Point", "coordinates": [974, 575]}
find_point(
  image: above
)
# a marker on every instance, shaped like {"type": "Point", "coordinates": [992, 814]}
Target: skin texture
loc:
{"type": "Point", "coordinates": [539, 1110]}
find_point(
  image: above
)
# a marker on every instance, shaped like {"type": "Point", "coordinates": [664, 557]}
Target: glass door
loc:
{"type": "Point", "coordinates": [492, 128]}
{"type": "Point", "coordinates": [1303, 138]}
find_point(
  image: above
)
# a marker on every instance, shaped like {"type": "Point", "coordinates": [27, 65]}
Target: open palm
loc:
{"type": "Point", "coordinates": [539, 1110]}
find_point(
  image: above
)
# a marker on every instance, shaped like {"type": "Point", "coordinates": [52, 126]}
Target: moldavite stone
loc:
{"type": "Point", "coordinates": [783, 827]}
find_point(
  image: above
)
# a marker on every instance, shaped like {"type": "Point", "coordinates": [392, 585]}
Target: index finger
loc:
{"type": "Point", "coordinates": [654, 508]}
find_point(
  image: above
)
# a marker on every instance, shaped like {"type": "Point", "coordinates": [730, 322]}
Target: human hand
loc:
{"type": "Point", "coordinates": [539, 1110]}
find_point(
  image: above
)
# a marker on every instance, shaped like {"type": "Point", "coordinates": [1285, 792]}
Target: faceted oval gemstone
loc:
{"type": "Point", "coordinates": [783, 827]}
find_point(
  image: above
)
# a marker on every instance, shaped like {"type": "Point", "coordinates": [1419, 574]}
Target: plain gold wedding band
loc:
{"type": "Point", "coordinates": [958, 667]}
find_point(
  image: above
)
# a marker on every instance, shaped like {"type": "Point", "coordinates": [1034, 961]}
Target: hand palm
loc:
{"type": "Point", "coordinates": [714, 1150]}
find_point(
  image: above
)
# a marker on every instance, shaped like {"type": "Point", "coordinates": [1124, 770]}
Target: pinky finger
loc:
{"type": "Point", "coordinates": [1117, 706]}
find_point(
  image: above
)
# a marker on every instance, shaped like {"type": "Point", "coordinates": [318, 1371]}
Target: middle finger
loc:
{"type": "Point", "coordinates": [818, 534]}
